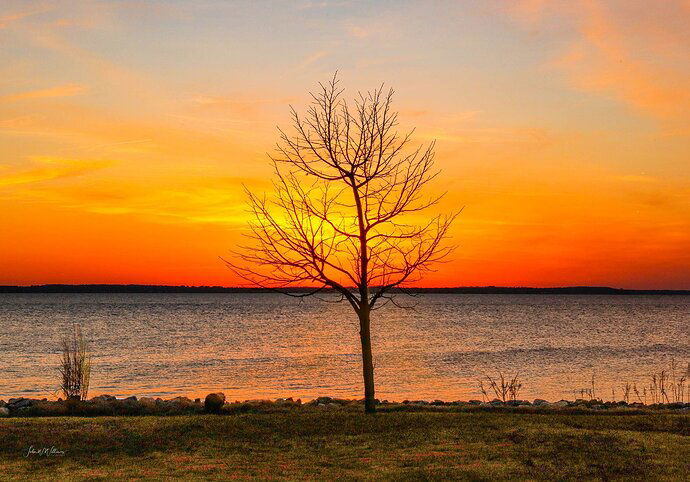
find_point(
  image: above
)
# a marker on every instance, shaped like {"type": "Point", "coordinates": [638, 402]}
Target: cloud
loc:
{"type": "Point", "coordinates": [357, 31]}
{"type": "Point", "coordinates": [633, 53]}
{"type": "Point", "coordinates": [529, 11]}
{"type": "Point", "coordinates": [212, 200]}
{"type": "Point", "coordinates": [50, 168]}
{"type": "Point", "coordinates": [308, 5]}
{"type": "Point", "coordinates": [612, 66]}
{"type": "Point", "coordinates": [239, 105]}
{"type": "Point", "coordinates": [490, 135]}
{"type": "Point", "coordinates": [68, 90]}
{"type": "Point", "coordinates": [311, 59]}
{"type": "Point", "coordinates": [165, 137]}
{"type": "Point", "coordinates": [8, 20]}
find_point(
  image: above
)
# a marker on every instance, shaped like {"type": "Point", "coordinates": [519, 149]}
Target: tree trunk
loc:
{"type": "Point", "coordinates": [367, 360]}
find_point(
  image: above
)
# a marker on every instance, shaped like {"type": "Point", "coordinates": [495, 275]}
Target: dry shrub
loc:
{"type": "Point", "coordinates": [75, 367]}
{"type": "Point", "coordinates": [505, 389]}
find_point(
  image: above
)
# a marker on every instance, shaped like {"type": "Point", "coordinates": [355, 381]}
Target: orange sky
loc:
{"type": "Point", "coordinates": [128, 128]}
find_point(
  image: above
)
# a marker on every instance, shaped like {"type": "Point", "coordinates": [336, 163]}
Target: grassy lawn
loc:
{"type": "Point", "coordinates": [329, 444]}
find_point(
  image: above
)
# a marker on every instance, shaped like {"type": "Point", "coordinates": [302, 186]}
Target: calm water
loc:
{"type": "Point", "coordinates": [269, 346]}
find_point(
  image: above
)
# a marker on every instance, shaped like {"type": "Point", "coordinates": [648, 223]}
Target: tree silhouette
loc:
{"type": "Point", "coordinates": [344, 214]}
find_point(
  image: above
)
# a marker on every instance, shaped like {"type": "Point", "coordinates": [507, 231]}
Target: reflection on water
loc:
{"type": "Point", "coordinates": [269, 346]}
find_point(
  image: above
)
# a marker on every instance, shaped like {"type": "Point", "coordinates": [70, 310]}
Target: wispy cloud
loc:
{"type": "Point", "coordinates": [620, 56]}
{"type": "Point", "coordinates": [68, 90]}
{"type": "Point", "coordinates": [323, 4]}
{"type": "Point", "coordinates": [357, 31]}
{"type": "Point", "coordinates": [610, 65]}
{"type": "Point", "coordinates": [239, 104]}
{"type": "Point", "coordinates": [217, 200]}
{"type": "Point", "coordinates": [50, 168]}
{"type": "Point", "coordinates": [9, 19]}
{"type": "Point", "coordinates": [312, 59]}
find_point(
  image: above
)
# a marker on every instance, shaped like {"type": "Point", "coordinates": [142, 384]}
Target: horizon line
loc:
{"type": "Point", "coordinates": [489, 289]}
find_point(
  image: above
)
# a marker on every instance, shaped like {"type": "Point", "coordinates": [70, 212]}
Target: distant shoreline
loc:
{"type": "Point", "coordinates": [489, 290]}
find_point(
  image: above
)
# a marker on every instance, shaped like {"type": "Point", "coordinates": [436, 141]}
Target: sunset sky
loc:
{"type": "Point", "coordinates": [128, 128]}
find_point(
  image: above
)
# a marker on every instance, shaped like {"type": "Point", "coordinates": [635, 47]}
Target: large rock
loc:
{"type": "Point", "coordinates": [104, 398]}
{"type": "Point", "coordinates": [183, 402]}
{"type": "Point", "coordinates": [538, 402]}
{"type": "Point", "coordinates": [4, 411]}
{"type": "Point", "coordinates": [214, 402]}
{"type": "Point", "coordinates": [17, 403]}
{"type": "Point", "coordinates": [147, 402]}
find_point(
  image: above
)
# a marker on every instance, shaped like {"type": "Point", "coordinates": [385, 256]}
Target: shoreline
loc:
{"type": "Point", "coordinates": [105, 405]}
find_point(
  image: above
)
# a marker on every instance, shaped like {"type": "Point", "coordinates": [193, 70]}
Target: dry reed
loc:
{"type": "Point", "coordinates": [75, 366]}
{"type": "Point", "coordinates": [504, 389]}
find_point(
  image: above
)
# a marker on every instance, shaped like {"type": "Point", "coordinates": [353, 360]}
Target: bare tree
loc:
{"type": "Point", "coordinates": [345, 212]}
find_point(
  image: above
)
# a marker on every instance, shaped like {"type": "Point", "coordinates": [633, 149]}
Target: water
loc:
{"type": "Point", "coordinates": [268, 346]}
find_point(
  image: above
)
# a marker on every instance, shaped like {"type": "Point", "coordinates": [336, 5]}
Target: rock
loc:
{"type": "Point", "coordinates": [438, 402]}
{"type": "Point", "coordinates": [131, 399]}
{"type": "Point", "coordinates": [147, 402]}
{"type": "Point", "coordinates": [183, 402]}
{"type": "Point", "coordinates": [258, 401]}
{"type": "Point", "coordinates": [496, 402]}
{"type": "Point", "coordinates": [2, 403]}
{"type": "Point", "coordinates": [214, 402]}
{"type": "Point", "coordinates": [362, 400]}
{"type": "Point", "coordinates": [538, 402]}
{"type": "Point", "coordinates": [197, 400]}
{"type": "Point", "coordinates": [560, 403]}
{"type": "Point", "coordinates": [4, 411]}
{"type": "Point", "coordinates": [104, 398]}
{"type": "Point", "coordinates": [17, 403]}
{"type": "Point", "coordinates": [333, 405]}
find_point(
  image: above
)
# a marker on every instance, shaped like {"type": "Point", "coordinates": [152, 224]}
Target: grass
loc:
{"type": "Point", "coordinates": [343, 443]}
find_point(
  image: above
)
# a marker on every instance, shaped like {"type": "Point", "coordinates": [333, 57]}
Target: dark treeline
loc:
{"type": "Point", "coordinates": [111, 288]}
